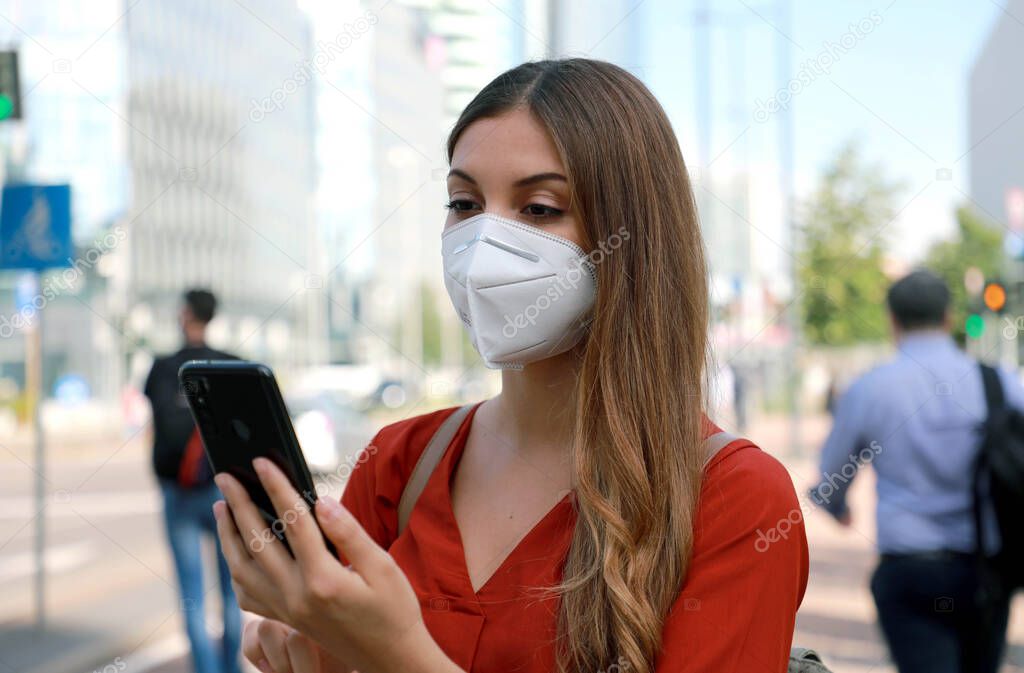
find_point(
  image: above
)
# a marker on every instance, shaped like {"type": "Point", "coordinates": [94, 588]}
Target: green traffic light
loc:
{"type": "Point", "coordinates": [974, 326]}
{"type": "Point", "coordinates": [6, 106]}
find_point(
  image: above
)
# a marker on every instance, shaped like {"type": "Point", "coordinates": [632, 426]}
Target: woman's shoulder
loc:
{"type": "Point", "coordinates": [378, 475]}
{"type": "Point", "coordinates": [745, 490]}
{"type": "Point", "coordinates": [399, 445]}
{"type": "Point", "coordinates": [402, 435]}
{"type": "Point", "coordinates": [747, 572]}
{"type": "Point", "coordinates": [742, 458]}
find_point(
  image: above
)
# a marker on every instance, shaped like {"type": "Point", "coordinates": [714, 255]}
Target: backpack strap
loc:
{"type": "Point", "coordinates": [994, 400]}
{"type": "Point", "coordinates": [429, 459]}
{"type": "Point", "coordinates": [431, 456]}
{"type": "Point", "coordinates": [993, 387]}
{"type": "Point", "coordinates": [715, 443]}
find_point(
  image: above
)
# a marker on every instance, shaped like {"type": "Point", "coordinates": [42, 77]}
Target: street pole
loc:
{"type": "Point", "coordinates": [34, 389]}
{"type": "Point", "coordinates": [786, 162]}
{"type": "Point", "coordinates": [702, 58]}
{"type": "Point", "coordinates": [555, 11]}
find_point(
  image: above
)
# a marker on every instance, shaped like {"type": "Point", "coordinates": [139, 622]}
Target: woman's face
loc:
{"type": "Point", "coordinates": [509, 166]}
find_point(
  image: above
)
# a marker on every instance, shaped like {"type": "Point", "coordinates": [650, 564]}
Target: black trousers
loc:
{"type": "Point", "coordinates": [934, 616]}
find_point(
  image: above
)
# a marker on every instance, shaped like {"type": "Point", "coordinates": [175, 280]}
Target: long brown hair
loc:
{"type": "Point", "coordinates": [637, 445]}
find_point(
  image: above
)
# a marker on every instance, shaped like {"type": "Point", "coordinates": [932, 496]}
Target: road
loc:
{"type": "Point", "coordinates": [108, 571]}
{"type": "Point", "coordinates": [111, 593]}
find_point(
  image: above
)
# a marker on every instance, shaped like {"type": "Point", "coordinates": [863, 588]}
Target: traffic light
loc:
{"type": "Point", "coordinates": [995, 297]}
{"type": "Point", "coordinates": [10, 92]}
{"type": "Point", "coordinates": [974, 326]}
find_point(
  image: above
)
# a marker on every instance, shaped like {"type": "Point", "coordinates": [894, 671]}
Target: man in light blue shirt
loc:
{"type": "Point", "coordinates": [916, 421]}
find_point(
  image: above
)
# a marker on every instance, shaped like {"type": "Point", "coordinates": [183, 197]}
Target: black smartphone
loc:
{"type": "Point", "coordinates": [241, 415]}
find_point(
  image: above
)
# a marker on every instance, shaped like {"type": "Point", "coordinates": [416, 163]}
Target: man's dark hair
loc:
{"type": "Point", "coordinates": [919, 300]}
{"type": "Point", "coordinates": [201, 303]}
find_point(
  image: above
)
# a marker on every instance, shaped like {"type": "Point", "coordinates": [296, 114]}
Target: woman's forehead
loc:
{"type": "Point", "coordinates": [513, 142]}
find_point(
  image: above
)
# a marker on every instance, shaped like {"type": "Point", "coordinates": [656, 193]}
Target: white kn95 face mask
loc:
{"type": "Point", "coordinates": [524, 294]}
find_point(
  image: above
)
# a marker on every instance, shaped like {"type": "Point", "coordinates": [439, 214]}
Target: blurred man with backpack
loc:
{"type": "Point", "coordinates": [186, 482]}
{"type": "Point", "coordinates": [939, 431]}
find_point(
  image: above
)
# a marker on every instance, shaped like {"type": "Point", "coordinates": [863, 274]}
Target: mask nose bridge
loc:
{"type": "Point", "coordinates": [497, 243]}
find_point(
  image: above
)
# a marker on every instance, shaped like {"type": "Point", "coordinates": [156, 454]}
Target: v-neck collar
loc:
{"type": "Point", "coordinates": [453, 454]}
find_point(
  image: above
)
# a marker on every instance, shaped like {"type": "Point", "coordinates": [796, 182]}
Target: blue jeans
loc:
{"type": "Point", "coordinates": [932, 618]}
{"type": "Point", "coordinates": [188, 514]}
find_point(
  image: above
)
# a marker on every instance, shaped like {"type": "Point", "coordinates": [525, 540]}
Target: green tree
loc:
{"type": "Point", "coordinates": [843, 226]}
{"type": "Point", "coordinates": [977, 244]}
{"type": "Point", "coordinates": [431, 325]}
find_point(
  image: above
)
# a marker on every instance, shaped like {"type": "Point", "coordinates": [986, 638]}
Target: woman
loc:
{"type": "Point", "coordinates": [575, 522]}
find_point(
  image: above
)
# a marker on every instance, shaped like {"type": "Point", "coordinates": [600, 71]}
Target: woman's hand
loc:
{"type": "Point", "coordinates": [365, 614]}
{"type": "Point", "coordinates": [274, 647]}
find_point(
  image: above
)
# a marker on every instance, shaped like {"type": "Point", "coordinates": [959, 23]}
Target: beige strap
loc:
{"type": "Point", "coordinates": [431, 456]}
{"type": "Point", "coordinates": [715, 443]}
{"type": "Point", "coordinates": [429, 459]}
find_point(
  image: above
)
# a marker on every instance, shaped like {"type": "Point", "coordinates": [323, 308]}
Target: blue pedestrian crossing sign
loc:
{"type": "Point", "coordinates": [35, 227]}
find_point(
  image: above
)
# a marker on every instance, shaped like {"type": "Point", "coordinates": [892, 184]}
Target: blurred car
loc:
{"type": "Point", "coordinates": [392, 393]}
{"type": "Point", "coordinates": [329, 428]}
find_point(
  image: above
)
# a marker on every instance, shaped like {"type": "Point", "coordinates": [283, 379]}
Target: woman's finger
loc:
{"type": "Point", "coordinates": [365, 555]}
{"type": "Point", "coordinates": [249, 604]}
{"type": "Point", "coordinates": [272, 639]}
{"type": "Point", "coordinates": [259, 542]}
{"type": "Point", "coordinates": [243, 568]}
{"type": "Point", "coordinates": [293, 510]}
{"type": "Point", "coordinates": [303, 653]}
{"type": "Point", "coordinates": [251, 647]}
{"type": "Point", "coordinates": [248, 580]}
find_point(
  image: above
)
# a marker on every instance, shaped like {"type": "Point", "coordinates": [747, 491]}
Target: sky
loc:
{"type": "Point", "coordinates": [905, 98]}
{"type": "Point", "coordinates": [899, 91]}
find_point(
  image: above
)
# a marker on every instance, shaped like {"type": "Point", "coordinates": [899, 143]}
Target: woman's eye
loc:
{"type": "Point", "coordinates": [460, 205]}
{"type": "Point", "coordinates": [540, 210]}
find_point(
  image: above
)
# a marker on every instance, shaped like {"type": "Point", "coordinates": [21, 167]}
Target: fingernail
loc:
{"type": "Point", "coordinates": [330, 507]}
{"type": "Point", "coordinates": [264, 666]}
{"type": "Point", "coordinates": [260, 464]}
{"type": "Point", "coordinates": [218, 510]}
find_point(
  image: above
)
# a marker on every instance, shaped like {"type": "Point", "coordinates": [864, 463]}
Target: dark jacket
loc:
{"type": "Point", "coordinates": [172, 420]}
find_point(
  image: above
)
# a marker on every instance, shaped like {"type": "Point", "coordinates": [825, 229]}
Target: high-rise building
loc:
{"type": "Point", "coordinates": [73, 84]}
{"type": "Point", "coordinates": [223, 174]}
{"type": "Point", "coordinates": [433, 58]}
{"type": "Point", "coordinates": [407, 162]}
{"type": "Point", "coordinates": [343, 33]}
{"type": "Point", "coordinates": [480, 41]}
{"type": "Point", "coordinates": [187, 129]}
{"type": "Point", "coordinates": [996, 123]}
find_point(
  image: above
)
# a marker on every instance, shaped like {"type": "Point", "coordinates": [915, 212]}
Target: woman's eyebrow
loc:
{"type": "Point", "coordinates": [455, 172]}
{"type": "Point", "coordinates": [522, 182]}
{"type": "Point", "coordinates": [539, 177]}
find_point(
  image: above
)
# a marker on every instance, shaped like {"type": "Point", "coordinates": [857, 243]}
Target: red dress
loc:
{"type": "Point", "coordinates": [736, 610]}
